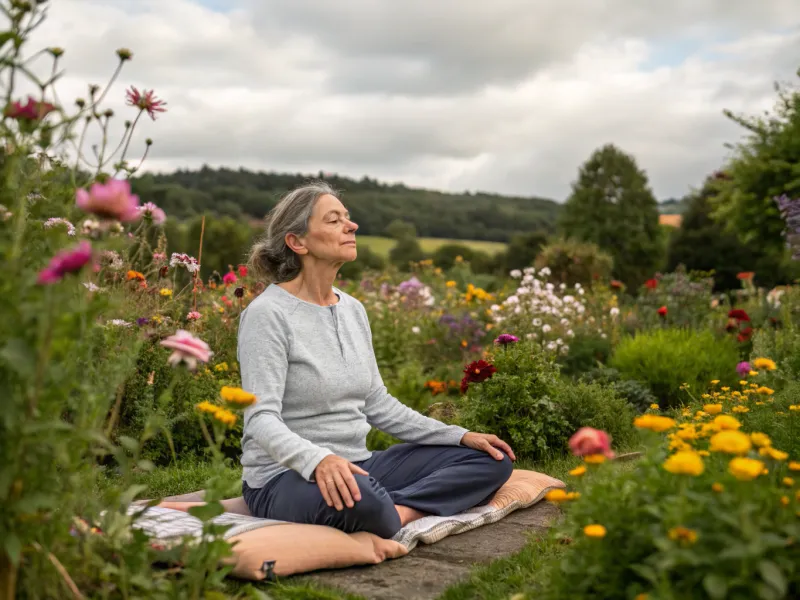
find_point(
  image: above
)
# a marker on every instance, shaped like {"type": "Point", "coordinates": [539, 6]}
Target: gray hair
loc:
{"type": "Point", "coordinates": [270, 258]}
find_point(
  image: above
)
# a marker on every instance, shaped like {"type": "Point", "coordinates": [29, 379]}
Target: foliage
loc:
{"type": "Point", "coordinates": [635, 392]}
{"type": "Point", "coordinates": [764, 165]}
{"type": "Point", "coordinates": [586, 351]}
{"type": "Point", "coordinates": [571, 262]}
{"type": "Point", "coordinates": [612, 206]}
{"type": "Point", "coordinates": [523, 248]}
{"type": "Point", "coordinates": [374, 205]}
{"type": "Point", "coordinates": [709, 512]}
{"type": "Point", "coordinates": [666, 359]}
{"type": "Point", "coordinates": [677, 299]}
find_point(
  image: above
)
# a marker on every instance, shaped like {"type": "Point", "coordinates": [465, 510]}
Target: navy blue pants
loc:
{"type": "Point", "coordinates": [437, 480]}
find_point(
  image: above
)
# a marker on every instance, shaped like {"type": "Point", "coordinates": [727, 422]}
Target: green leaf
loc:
{"type": "Point", "coordinates": [130, 494]}
{"type": "Point", "coordinates": [6, 37]}
{"type": "Point", "coordinates": [772, 574]}
{"type": "Point", "coordinates": [206, 512]}
{"type": "Point", "coordinates": [715, 585]}
{"type": "Point", "coordinates": [18, 355]}
{"type": "Point", "coordinates": [130, 444]}
{"type": "Point", "coordinates": [13, 548]}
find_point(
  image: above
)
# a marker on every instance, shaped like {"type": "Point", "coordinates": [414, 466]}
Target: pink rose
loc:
{"type": "Point", "coordinates": [590, 441]}
{"type": "Point", "coordinates": [187, 348]}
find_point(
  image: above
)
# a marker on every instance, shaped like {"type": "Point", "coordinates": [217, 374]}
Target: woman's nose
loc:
{"type": "Point", "coordinates": [352, 226]}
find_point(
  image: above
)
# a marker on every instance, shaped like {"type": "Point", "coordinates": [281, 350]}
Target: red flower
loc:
{"type": "Point", "coordinates": [242, 270]}
{"type": "Point", "coordinates": [591, 441]}
{"type": "Point", "coordinates": [651, 284]}
{"type": "Point", "coordinates": [738, 314]}
{"type": "Point", "coordinates": [33, 110]}
{"type": "Point", "coordinates": [745, 334]}
{"type": "Point", "coordinates": [229, 278]}
{"type": "Point", "coordinates": [145, 100]}
{"type": "Point", "coordinates": [616, 285]}
{"type": "Point", "coordinates": [662, 311]}
{"type": "Point", "coordinates": [476, 372]}
{"type": "Point", "coordinates": [745, 275]}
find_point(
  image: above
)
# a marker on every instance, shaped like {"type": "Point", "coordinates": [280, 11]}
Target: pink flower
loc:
{"type": "Point", "coordinates": [193, 316]}
{"type": "Point", "coordinates": [66, 261]}
{"type": "Point", "coordinates": [229, 278]}
{"type": "Point", "coordinates": [506, 338]}
{"type": "Point", "coordinates": [590, 441]}
{"type": "Point", "coordinates": [187, 348]}
{"type": "Point", "coordinates": [149, 209]}
{"type": "Point", "coordinates": [145, 100]}
{"type": "Point", "coordinates": [743, 368]}
{"type": "Point", "coordinates": [32, 111]}
{"type": "Point", "coordinates": [111, 200]}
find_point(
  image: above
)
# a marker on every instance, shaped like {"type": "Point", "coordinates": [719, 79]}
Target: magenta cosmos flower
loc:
{"type": "Point", "coordinates": [743, 368]}
{"type": "Point", "coordinates": [187, 348]}
{"type": "Point", "coordinates": [66, 261]}
{"type": "Point", "coordinates": [506, 338]}
{"type": "Point", "coordinates": [111, 200]}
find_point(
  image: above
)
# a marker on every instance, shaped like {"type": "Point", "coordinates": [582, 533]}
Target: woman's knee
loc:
{"type": "Point", "coordinates": [496, 472]}
{"type": "Point", "coordinates": [375, 512]}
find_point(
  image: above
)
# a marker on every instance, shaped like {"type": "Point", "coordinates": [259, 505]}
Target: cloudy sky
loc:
{"type": "Point", "coordinates": [507, 96]}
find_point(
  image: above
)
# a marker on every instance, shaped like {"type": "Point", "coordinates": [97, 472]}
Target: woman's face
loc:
{"type": "Point", "coordinates": [331, 234]}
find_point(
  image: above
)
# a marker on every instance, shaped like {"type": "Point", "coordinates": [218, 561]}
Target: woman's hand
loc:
{"type": "Point", "coordinates": [487, 443]}
{"type": "Point", "coordinates": [335, 480]}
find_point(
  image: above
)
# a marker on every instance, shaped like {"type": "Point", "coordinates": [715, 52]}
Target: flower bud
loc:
{"type": "Point", "coordinates": [124, 54]}
{"type": "Point", "coordinates": [108, 113]}
{"type": "Point", "coordinates": [128, 124]}
{"type": "Point", "coordinates": [56, 52]}
{"type": "Point", "coordinates": [80, 102]}
{"type": "Point", "coordinates": [93, 89]}
{"type": "Point", "coordinates": [149, 141]}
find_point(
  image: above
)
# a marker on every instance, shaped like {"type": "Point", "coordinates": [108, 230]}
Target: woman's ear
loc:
{"type": "Point", "coordinates": [295, 244]}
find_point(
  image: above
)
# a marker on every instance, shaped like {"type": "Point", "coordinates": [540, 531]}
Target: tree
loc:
{"type": "Point", "coordinates": [703, 244]}
{"type": "Point", "coordinates": [612, 206]}
{"type": "Point", "coordinates": [765, 164]}
{"type": "Point", "coordinates": [523, 250]}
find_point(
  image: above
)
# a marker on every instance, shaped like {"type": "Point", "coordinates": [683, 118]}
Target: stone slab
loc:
{"type": "Point", "coordinates": [428, 570]}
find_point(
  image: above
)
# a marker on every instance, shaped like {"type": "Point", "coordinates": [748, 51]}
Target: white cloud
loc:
{"type": "Point", "coordinates": [508, 96]}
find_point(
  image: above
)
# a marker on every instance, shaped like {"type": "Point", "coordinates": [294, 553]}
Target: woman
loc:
{"type": "Point", "coordinates": [305, 350]}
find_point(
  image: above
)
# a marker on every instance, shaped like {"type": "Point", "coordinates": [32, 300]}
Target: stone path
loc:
{"type": "Point", "coordinates": [428, 570]}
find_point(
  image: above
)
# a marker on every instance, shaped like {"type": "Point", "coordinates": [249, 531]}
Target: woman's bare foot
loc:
{"type": "Point", "coordinates": [408, 514]}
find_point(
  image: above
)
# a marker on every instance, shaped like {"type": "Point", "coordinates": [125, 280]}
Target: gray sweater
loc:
{"type": "Point", "coordinates": [318, 389]}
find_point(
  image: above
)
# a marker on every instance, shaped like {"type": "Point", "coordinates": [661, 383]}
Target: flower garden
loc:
{"type": "Point", "coordinates": [118, 359]}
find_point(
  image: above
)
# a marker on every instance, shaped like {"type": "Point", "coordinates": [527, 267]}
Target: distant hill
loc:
{"type": "Point", "coordinates": [672, 206]}
{"type": "Point", "coordinates": [249, 195]}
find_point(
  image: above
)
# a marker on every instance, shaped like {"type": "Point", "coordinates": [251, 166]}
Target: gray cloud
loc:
{"type": "Point", "coordinates": [508, 96]}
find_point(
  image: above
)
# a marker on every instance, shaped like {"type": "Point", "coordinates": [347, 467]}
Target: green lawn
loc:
{"type": "Point", "coordinates": [382, 245]}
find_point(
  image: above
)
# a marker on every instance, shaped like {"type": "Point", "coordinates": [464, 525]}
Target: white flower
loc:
{"type": "Point", "coordinates": [59, 221]}
{"type": "Point", "coordinates": [559, 342]}
{"type": "Point", "coordinates": [603, 335]}
{"type": "Point", "coordinates": [415, 329]}
{"type": "Point", "coordinates": [614, 311]}
{"type": "Point", "coordinates": [570, 333]}
{"type": "Point", "coordinates": [529, 270]}
{"type": "Point", "coordinates": [545, 272]}
{"type": "Point", "coordinates": [516, 273]}
{"type": "Point", "coordinates": [551, 346]}
{"type": "Point", "coordinates": [512, 300]}
{"type": "Point", "coordinates": [564, 349]}
{"type": "Point", "coordinates": [563, 286]}
{"type": "Point", "coordinates": [565, 322]}
{"type": "Point", "coordinates": [119, 323]}
{"type": "Point", "coordinates": [549, 287]}
{"type": "Point", "coordinates": [495, 307]}
{"type": "Point", "coordinates": [569, 299]}
{"type": "Point", "coordinates": [531, 336]}
{"type": "Point", "coordinates": [581, 292]}
{"type": "Point", "coordinates": [90, 286]}
{"type": "Point", "coordinates": [546, 328]}
{"type": "Point", "coordinates": [537, 322]}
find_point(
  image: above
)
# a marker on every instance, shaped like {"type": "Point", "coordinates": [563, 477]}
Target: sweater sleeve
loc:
{"type": "Point", "coordinates": [387, 413]}
{"type": "Point", "coordinates": [263, 349]}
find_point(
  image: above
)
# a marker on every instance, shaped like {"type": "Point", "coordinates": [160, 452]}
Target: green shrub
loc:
{"type": "Point", "coordinates": [517, 403]}
{"type": "Point", "coordinates": [635, 392]}
{"type": "Point", "coordinates": [586, 351]}
{"type": "Point", "coordinates": [665, 359]}
{"type": "Point", "coordinates": [598, 406]}
{"type": "Point", "coordinates": [572, 262]}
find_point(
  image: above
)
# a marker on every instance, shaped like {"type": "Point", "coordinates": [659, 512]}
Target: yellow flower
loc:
{"type": "Point", "coordinates": [206, 407]}
{"type": "Point", "coordinates": [654, 406]}
{"type": "Point", "coordinates": [236, 395]}
{"type": "Point", "coordinates": [745, 469]}
{"type": "Point", "coordinates": [641, 597]}
{"type": "Point", "coordinates": [765, 391]}
{"type": "Point", "coordinates": [594, 531]}
{"type": "Point", "coordinates": [760, 439]}
{"type": "Point", "coordinates": [166, 292]}
{"type": "Point", "coordinates": [740, 409]}
{"type": "Point", "coordinates": [654, 422]}
{"type": "Point", "coordinates": [788, 481]}
{"type": "Point", "coordinates": [743, 382]}
{"type": "Point", "coordinates": [712, 409]}
{"type": "Point", "coordinates": [594, 459]}
{"type": "Point", "coordinates": [764, 364]}
{"type": "Point", "coordinates": [451, 284]}
{"type": "Point", "coordinates": [730, 442]}
{"type": "Point", "coordinates": [704, 453]}
{"type": "Point", "coordinates": [714, 381]}
{"type": "Point", "coordinates": [773, 453]}
{"type": "Point", "coordinates": [221, 367]}
{"type": "Point", "coordinates": [718, 487]}
{"type": "Point", "coordinates": [684, 462]}
{"type": "Point", "coordinates": [785, 500]}
{"type": "Point", "coordinates": [753, 373]}
{"type": "Point", "coordinates": [683, 535]}
{"type": "Point", "coordinates": [794, 407]}
{"type": "Point", "coordinates": [578, 471]}
{"type": "Point", "coordinates": [556, 496]}
{"type": "Point", "coordinates": [727, 422]}
{"type": "Point", "coordinates": [725, 388]}
{"type": "Point", "coordinates": [226, 417]}
{"type": "Point", "coordinates": [794, 466]}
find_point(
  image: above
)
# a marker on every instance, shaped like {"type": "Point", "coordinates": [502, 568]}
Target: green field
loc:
{"type": "Point", "coordinates": [382, 245]}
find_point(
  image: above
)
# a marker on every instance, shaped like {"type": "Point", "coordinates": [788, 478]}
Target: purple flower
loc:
{"type": "Point", "coordinates": [506, 338]}
{"type": "Point", "coordinates": [743, 368]}
{"type": "Point", "coordinates": [411, 285]}
{"type": "Point", "coordinates": [142, 321]}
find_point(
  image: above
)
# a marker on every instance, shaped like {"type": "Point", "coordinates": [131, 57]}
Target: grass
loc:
{"type": "Point", "coordinates": [382, 245]}
{"type": "Point", "coordinates": [498, 580]}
